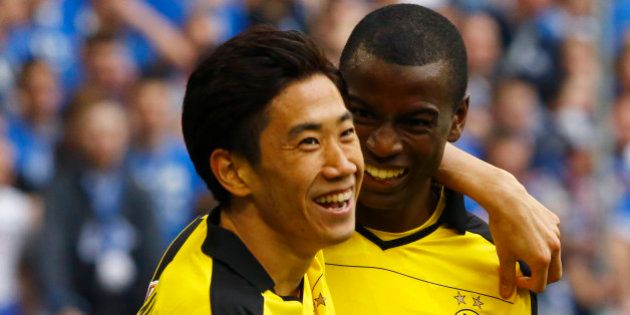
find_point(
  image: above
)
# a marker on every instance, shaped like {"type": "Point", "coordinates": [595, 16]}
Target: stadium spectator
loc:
{"type": "Point", "coordinates": [35, 129]}
{"type": "Point", "coordinates": [482, 38]}
{"type": "Point", "coordinates": [620, 218]}
{"type": "Point", "coordinates": [335, 22]}
{"type": "Point", "coordinates": [99, 243]}
{"type": "Point", "coordinates": [109, 69]}
{"type": "Point", "coordinates": [158, 158]}
{"type": "Point", "coordinates": [20, 218]}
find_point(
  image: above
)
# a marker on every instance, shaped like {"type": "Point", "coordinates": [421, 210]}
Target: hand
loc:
{"type": "Point", "coordinates": [523, 229]}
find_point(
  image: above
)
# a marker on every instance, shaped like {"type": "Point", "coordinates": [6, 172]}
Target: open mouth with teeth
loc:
{"type": "Point", "coordinates": [384, 174]}
{"type": "Point", "coordinates": [338, 200]}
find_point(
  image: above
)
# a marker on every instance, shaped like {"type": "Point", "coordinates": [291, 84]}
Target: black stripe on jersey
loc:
{"type": "Point", "coordinates": [418, 279]}
{"type": "Point", "coordinates": [174, 248]}
{"type": "Point", "coordinates": [478, 226]}
{"type": "Point", "coordinates": [384, 245]}
{"type": "Point", "coordinates": [232, 294]}
{"type": "Point", "coordinates": [223, 245]}
{"type": "Point", "coordinates": [454, 216]}
{"type": "Point", "coordinates": [534, 298]}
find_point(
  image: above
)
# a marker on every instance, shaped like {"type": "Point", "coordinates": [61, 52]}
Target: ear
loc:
{"type": "Point", "coordinates": [228, 170]}
{"type": "Point", "coordinates": [459, 120]}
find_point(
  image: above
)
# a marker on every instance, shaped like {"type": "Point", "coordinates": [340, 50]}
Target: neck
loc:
{"type": "Point", "coordinates": [267, 246]}
{"type": "Point", "coordinates": [409, 213]}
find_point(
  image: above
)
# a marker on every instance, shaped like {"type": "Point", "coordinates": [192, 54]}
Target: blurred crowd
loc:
{"type": "Point", "coordinates": [95, 180]}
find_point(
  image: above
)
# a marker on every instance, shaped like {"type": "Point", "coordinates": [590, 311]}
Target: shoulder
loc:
{"type": "Point", "coordinates": [476, 225]}
{"type": "Point", "coordinates": [181, 282]}
{"type": "Point", "coordinates": [185, 250]}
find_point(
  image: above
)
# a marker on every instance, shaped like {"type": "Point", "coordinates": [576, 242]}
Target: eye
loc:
{"type": "Point", "coordinates": [347, 133]}
{"type": "Point", "coordinates": [309, 142]}
{"type": "Point", "coordinates": [417, 122]}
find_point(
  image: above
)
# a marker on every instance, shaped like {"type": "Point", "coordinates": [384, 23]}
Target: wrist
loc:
{"type": "Point", "coordinates": [501, 190]}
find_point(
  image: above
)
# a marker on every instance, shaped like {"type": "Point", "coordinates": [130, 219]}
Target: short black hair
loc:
{"type": "Point", "coordinates": [227, 94]}
{"type": "Point", "coordinates": [410, 35]}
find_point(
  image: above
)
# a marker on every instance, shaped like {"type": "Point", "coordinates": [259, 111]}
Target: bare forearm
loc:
{"type": "Point", "coordinates": [477, 179]}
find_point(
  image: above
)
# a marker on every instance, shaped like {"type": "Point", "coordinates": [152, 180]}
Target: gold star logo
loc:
{"type": "Point", "coordinates": [320, 300]}
{"type": "Point", "coordinates": [477, 302]}
{"type": "Point", "coordinates": [460, 298]}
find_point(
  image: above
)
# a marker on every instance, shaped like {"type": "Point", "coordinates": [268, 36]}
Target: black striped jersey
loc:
{"type": "Point", "coordinates": [208, 270]}
{"type": "Point", "coordinates": [448, 265]}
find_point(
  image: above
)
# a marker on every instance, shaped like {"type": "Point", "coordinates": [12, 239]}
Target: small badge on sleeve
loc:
{"type": "Point", "coordinates": [151, 288]}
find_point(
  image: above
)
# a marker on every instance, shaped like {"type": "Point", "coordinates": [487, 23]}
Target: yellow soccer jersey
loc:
{"type": "Point", "coordinates": [448, 267]}
{"type": "Point", "coordinates": [208, 270]}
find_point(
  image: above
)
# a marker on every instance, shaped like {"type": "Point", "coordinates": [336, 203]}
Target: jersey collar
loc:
{"type": "Point", "coordinates": [454, 216]}
{"type": "Point", "coordinates": [225, 246]}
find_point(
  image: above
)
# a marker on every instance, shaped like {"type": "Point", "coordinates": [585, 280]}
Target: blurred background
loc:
{"type": "Point", "coordinates": [95, 180]}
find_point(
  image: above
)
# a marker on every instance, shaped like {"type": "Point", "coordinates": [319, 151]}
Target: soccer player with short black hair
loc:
{"type": "Point", "coordinates": [266, 127]}
{"type": "Point", "coordinates": [416, 250]}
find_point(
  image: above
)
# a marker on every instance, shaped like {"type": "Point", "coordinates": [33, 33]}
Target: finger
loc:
{"type": "Point", "coordinates": [507, 275]}
{"type": "Point", "coordinates": [537, 281]}
{"type": "Point", "coordinates": [543, 212]}
{"type": "Point", "coordinates": [555, 267]}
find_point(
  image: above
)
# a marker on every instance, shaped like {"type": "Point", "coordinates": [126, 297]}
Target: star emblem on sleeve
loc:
{"type": "Point", "coordinates": [460, 298]}
{"type": "Point", "coordinates": [477, 301]}
{"type": "Point", "coordinates": [320, 300]}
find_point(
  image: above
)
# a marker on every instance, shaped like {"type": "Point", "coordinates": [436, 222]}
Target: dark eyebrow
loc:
{"type": "Point", "coordinates": [425, 111]}
{"type": "Point", "coordinates": [297, 129]}
{"type": "Point", "coordinates": [357, 99]}
{"type": "Point", "coordinates": [346, 116]}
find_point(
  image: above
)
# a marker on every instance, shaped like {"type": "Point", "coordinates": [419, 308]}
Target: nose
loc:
{"type": "Point", "coordinates": [337, 162]}
{"type": "Point", "coordinates": [383, 142]}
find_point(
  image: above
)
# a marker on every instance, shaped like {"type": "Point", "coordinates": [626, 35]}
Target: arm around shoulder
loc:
{"type": "Point", "coordinates": [522, 228]}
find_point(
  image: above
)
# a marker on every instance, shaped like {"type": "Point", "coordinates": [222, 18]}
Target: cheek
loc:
{"type": "Point", "coordinates": [428, 148]}
{"type": "Point", "coordinates": [293, 177]}
{"type": "Point", "coordinates": [363, 133]}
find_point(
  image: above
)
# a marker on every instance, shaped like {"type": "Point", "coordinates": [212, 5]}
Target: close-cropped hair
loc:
{"type": "Point", "coordinates": [228, 93]}
{"type": "Point", "coordinates": [409, 35]}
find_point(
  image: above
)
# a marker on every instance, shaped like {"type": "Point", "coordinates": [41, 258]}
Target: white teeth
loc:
{"type": "Point", "coordinates": [340, 197]}
{"type": "Point", "coordinates": [380, 173]}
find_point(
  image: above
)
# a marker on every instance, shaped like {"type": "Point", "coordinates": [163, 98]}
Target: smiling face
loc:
{"type": "Point", "coordinates": [307, 181]}
{"type": "Point", "coordinates": [403, 115]}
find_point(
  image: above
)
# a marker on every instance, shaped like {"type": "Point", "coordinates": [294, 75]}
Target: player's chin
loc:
{"type": "Point", "coordinates": [378, 200]}
{"type": "Point", "coordinates": [338, 233]}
